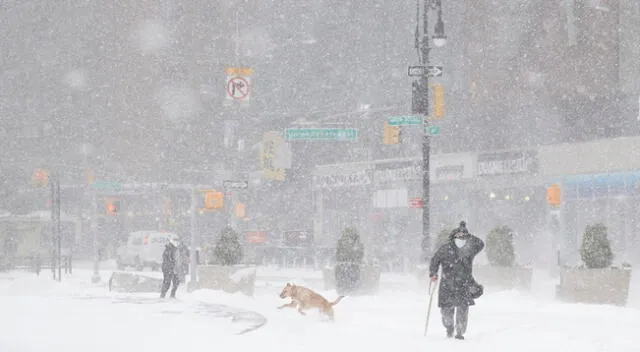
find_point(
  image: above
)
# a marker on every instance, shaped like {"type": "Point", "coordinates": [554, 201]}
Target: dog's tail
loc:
{"type": "Point", "coordinates": [337, 300]}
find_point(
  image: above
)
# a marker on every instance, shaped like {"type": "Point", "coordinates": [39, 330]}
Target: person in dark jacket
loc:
{"type": "Point", "coordinates": [457, 287]}
{"type": "Point", "coordinates": [170, 268]}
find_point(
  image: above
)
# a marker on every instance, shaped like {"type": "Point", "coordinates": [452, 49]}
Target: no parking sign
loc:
{"type": "Point", "coordinates": [238, 83]}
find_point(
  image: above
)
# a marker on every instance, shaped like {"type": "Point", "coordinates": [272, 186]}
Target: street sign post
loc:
{"type": "Point", "coordinates": [433, 130]}
{"type": "Point", "coordinates": [430, 71]}
{"type": "Point", "coordinates": [106, 186]}
{"type": "Point", "coordinates": [321, 134]}
{"type": "Point", "coordinates": [405, 120]}
{"type": "Point", "coordinates": [238, 83]}
{"type": "Point", "coordinates": [231, 184]}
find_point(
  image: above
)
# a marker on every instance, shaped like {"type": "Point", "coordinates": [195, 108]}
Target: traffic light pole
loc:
{"type": "Point", "coordinates": [94, 233]}
{"type": "Point", "coordinates": [193, 260]}
{"type": "Point", "coordinates": [420, 106]}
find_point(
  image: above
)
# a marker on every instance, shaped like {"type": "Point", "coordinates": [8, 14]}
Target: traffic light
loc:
{"type": "Point", "coordinates": [41, 178]}
{"type": "Point", "coordinates": [419, 98]}
{"type": "Point", "coordinates": [89, 175]}
{"type": "Point", "coordinates": [554, 195]}
{"type": "Point", "coordinates": [112, 206]}
{"type": "Point", "coordinates": [240, 210]}
{"type": "Point", "coordinates": [213, 200]}
{"type": "Point", "coordinates": [438, 101]}
{"type": "Point", "coordinates": [391, 134]}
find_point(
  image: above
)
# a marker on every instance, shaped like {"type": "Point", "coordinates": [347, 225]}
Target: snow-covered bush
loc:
{"type": "Point", "coordinates": [228, 250]}
{"type": "Point", "coordinates": [595, 249]}
{"type": "Point", "coordinates": [499, 247]}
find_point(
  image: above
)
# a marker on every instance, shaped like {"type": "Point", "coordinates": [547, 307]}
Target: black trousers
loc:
{"type": "Point", "coordinates": [169, 278]}
{"type": "Point", "coordinates": [461, 318]}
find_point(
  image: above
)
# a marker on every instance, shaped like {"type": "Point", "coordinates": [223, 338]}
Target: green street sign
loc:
{"type": "Point", "coordinates": [433, 130]}
{"type": "Point", "coordinates": [321, 134]}
{"type": "Point", "coordinates": [404, 120]}
{"type": "Point", "coordinates": [106, 186]}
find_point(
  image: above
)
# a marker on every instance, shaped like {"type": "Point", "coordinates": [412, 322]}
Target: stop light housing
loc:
{"type": "Point", "coordinates": [41, 178]}
{"type": "Point", "coordinates": [112, 206]}
{"type": "Point", "coordinates": [391, 134]}
{"type": "Point", "coordinates": [554, 195]}
{"type": "Point", "coordinates": [213, 200]}
{"type": "Point", "coordinates": [419, 98]}
{"type": "Point", "coordinates": [438, 101]}
{"type": "Point", "coordinates": [240, 210]}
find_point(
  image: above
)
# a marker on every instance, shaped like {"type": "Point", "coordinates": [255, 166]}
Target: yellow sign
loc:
{"type": "Point", "coordinates": [238, 71]}
{"type": "Point", "coordinates": [271, 142]}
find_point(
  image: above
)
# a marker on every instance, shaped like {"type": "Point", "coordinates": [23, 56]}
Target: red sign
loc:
{"type": "Point", "coordinates": [416, 202]}
{"type": "Point", "coordinates": [256, 236]}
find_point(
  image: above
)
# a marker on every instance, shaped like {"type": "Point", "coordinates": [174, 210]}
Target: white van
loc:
{"type": "Point", "coordinates": [144, 249]}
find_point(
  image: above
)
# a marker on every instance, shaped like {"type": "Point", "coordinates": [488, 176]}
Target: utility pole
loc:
{"type": "Point", "coordinates": [94, 232]}
{"type": "Point", "coordinates": [56, 233]}
{"type": "Point", "coordinates": [420, 105]}
{"type": "Point", "coordinates": [58, 228]}
{"type": "Point", "coordinates": [193, 279]}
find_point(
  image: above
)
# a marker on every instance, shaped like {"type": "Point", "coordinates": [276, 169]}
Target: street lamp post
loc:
{"type": "Point", "coordinates": [420, 106]}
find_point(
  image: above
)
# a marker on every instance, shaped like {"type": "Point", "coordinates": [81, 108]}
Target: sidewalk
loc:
{"type": "Point", "coordinates": [78, 299]}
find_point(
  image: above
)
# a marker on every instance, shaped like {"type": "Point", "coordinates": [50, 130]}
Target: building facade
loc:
{"type": "Point", "coordinates": [492, 188]}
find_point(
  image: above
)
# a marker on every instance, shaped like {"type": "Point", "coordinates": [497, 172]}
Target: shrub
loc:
{"type": "Point", "coordinates": [349, 255]}
{"type": "Point", "coordinates": [595, 249]}
{"type": "Point", "coordinates": [228, 250]}
{"type": "Point", "coordinates": [499, 246]}
{"type": "Point", "coordinates": [349, 247]}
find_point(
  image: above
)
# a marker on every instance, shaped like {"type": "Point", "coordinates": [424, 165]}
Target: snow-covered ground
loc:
{"type": "Point", "coordinates": [38, 314]}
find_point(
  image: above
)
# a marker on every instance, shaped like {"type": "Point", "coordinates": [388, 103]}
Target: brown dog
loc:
{"type": "Point", "coordinates": [305, 298]}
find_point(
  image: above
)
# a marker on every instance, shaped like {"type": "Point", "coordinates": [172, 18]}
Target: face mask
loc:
{"type": "Point", "coordinates": [460, 242]}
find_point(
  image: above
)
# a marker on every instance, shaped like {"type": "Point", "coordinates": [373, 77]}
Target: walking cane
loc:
{"type": "Point", "coordinates": [431, 292]}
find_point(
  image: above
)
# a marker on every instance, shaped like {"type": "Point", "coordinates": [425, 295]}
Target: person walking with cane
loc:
{"type": "Point", "coordinates": [458, 288]}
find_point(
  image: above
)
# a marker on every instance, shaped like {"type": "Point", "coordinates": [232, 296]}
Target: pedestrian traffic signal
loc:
{"type": "Point", "coordinates": [391, 134]}
{"type": "Point", "coordinates": [112, 206]}
{"type": "Point", "coordinates": [240, 210]}
{"type": "Point", "coordinates": [438, 101]}
{"type": "Point", "coordinates": [213, 200]}
{"type": "Point", "coordinates": [554, 196]}
{"type": "Point", "coordinates": [41, 178]}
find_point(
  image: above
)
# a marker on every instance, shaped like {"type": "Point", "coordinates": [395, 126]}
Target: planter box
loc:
{"type": "Point", "coordinates": [369, 279]}
{"type": "Point", "coordinates": [503, 278]}
{"type": "Point", "coordinates": [599, 286]}
{"type": "Point", "coordinates": [128, 282]}
{"type": "Point", "coordinates": [227, 278]}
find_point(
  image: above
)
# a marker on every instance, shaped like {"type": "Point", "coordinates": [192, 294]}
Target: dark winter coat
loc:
{"type": "Point", "coordinates": [169, 258]}
{"type": "Point", "coordinates": [457, 266]}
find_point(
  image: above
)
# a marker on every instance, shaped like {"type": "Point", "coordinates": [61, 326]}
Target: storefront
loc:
{"type": "Point", "coordinates": [611, 199]}
{"type": "Point", "coordinates": [383, 199]}
{"type": "Point", "coordinates": [600, 183]}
